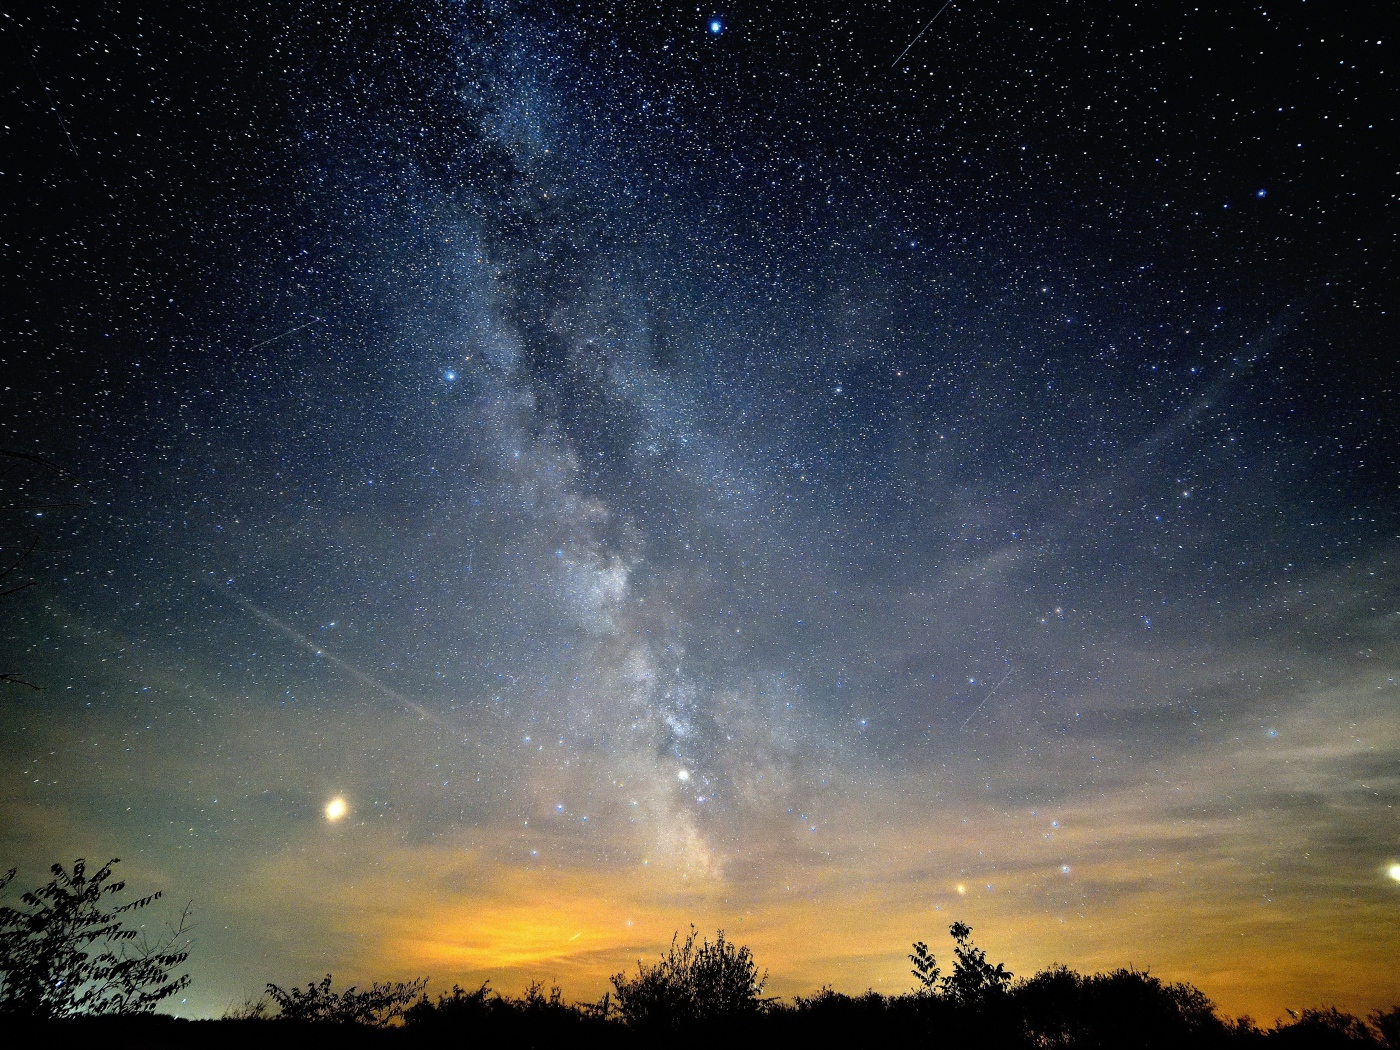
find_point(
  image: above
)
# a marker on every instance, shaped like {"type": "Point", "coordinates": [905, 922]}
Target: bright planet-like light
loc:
{"type": "Point", "coordinates": [1394, 872]}
{"type": "Point", "coordinates": [336, 809]}
{"type": "Point", "coordinates": [716, 27]}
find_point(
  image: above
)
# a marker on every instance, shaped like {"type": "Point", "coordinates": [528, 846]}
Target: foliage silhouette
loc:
{"type": "Point", "coordinates": [700, 992]}
{"type": "Point", "coordinates": [1387, 1026]}
{"type": "Point", "coordinates": [692, 983]}
{"type": "Point", "coordinates": [536, 1018]}
{"type": "Point", "coordinates": [925, 971]}
{"type": "Point", "coordinates": [974, 981]}
{"type": "Point", "coordinates": [70, 952]}
{"type": "Point", "coordinates": [1323, 1029]}
{"type": "Point", "coordinates": [1126, 1007]}
{"type": "Point", "coordinates": [454, 1009]}
{"type": "Point", "coordinates": [377, 1006]}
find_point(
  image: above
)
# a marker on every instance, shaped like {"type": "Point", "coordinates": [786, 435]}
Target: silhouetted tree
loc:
{"type": "Point", "coordinates": [377, 1006]}
{"type": "Point", "coordinates": [974, 981]}
{"type": "Point", "coordinates": [925, 970]}
{"type": "Point", "coordinates": [692, 983]}
{"type": "Point", "coordinates": [70, 952]}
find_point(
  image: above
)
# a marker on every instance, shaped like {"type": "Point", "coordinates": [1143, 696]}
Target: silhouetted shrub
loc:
{"type": "Point", "coordinates": [1387, 1026]}
{"type": "Point", "coordinates": [535, 1002]}
{"type": "Point", "coordinates": [836, 1019]}
{"type": "Point", "coordinates": [378, 1006]}
{"type": "Point", "coordinates": [925, 971]}
{"type": "Point", "coordinates": [692, 983]}
{"type": "Point", "coordinates": [974, 981]}
{"type": "Point", "coordinates": [71, 954]}
{"type": "Point", "coordinates": [1322, 1029]}
{"type": "Point", "coordinates": [1124, 1008]}
{"type": "Point", "coordinates": [454, 1009]}
{"type": "Point", "coordinates": [535, 1018]}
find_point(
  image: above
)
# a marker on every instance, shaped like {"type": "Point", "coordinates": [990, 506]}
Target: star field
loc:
{"type": "Point", "coordinates": [519, 478]}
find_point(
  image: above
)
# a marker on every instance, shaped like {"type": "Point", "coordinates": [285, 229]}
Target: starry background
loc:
{"type": "Point", "coordinates": [664, 464]}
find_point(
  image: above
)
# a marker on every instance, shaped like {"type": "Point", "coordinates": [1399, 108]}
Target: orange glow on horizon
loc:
{"type": "Point", "coordinates": [460, 915]}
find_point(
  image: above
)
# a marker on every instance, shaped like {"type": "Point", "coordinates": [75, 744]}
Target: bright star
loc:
{"type": "Point", "coordinates": [449, 375]}
{"type": "Point", "coordinates": [336, 809]}
{"type": "Point", "coordinates": [716, 27]}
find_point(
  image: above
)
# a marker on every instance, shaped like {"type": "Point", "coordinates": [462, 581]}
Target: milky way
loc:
{"type": "Point", "coordinates": [532, 479]}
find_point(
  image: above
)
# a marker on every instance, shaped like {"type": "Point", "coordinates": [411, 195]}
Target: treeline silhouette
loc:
{"type": "Point", "coordinates": [71, 971]}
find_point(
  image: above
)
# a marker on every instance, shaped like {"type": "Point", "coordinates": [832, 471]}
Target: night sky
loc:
{"type": "Point", "coordinates": [755, 465]}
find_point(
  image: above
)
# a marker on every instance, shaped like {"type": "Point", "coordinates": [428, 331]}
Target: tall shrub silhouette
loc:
{"type": "Point", "coordinates": [925, 971]}
{"type": "Point", "coordinates": [70, 952]}
{"type": "Point", "coordinates": [692, 983]}
{"type": "Point", "coordinates": [974, 981]}
{"type": "Point", "coordinates": [377, 1006]}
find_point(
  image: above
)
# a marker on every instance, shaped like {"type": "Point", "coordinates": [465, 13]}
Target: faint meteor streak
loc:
{"type": "Point", "coordinates": [284, 335]}
{"type": "Point", "coordinates": [990, 691]}
{"type": "Point", "coordinates": [290, 632]}
{"type": "Point", "coordinates": [921, 33]}
{"type": "Point", "coordinates": [53, 108]}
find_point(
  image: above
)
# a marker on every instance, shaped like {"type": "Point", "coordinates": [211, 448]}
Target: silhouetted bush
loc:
{"type": "Point", "coordinates": [1387, 1026]}
{"type": "Point", "coordinates": [1323, 1029]}
{"type": "Point", "coordinates": [692, 983]}
{"type": "Point", "coordinates": [377, 1006]}
{"type": "Point", "coordinates": [1058, 1007]}
{"type": "Point", "coordinates": [70, 953]}
{"type": "Point", "coordinates": [455, 1009]}
{"type": "Point", "coordinates": [700, 994]}
{"type": "Point", "coordinates": [974, 982]}
{"type": "Point", "coordinates": [925, 971]}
